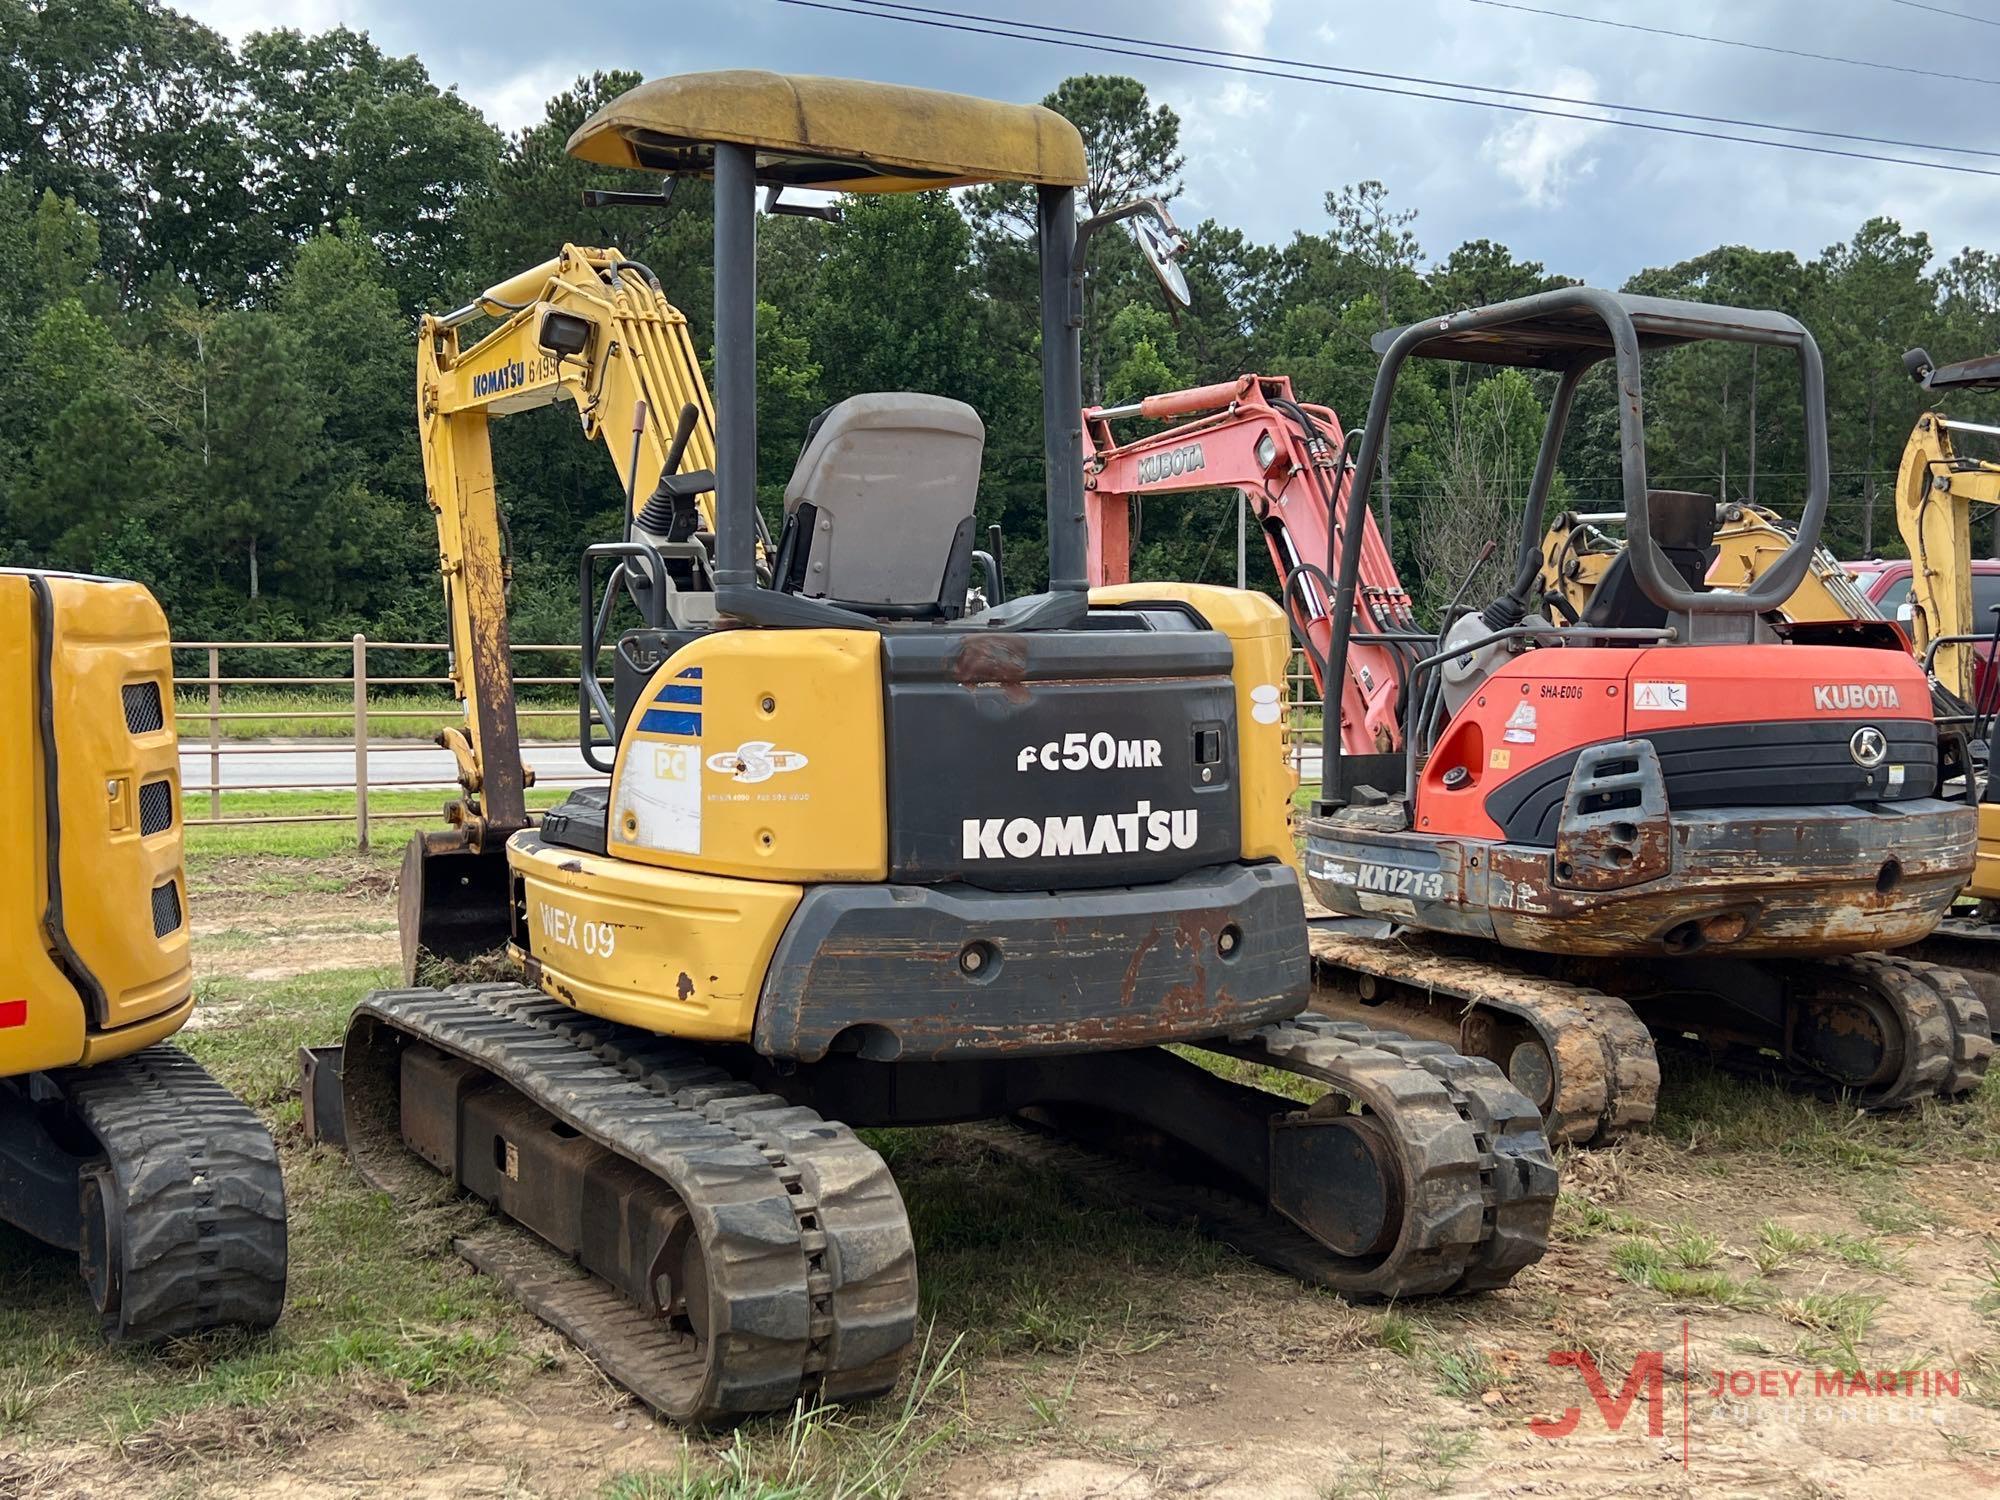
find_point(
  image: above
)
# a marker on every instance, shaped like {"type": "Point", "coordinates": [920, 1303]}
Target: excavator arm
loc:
{"type": "Point", "coordinates": [1936, 489]}
{"type": "Point", "coordinates": [1748, 540]}
{"type": "Point", "coordinates": [1290, 460]}
{"type": "Point", "coordinates": [592, 328]}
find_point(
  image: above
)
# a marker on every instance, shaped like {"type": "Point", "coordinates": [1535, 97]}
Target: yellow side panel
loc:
{"type": "Point", "coordinates": [103, 1046]}
{"type": "Point", "coordinates": [46, 1012]}
{"type": "Point", "coordinates": [758, 753]}
{"type": "Point", "coordinates": [1986, 871]}
{"type": "Point", "coordinates": [1262, 643]}
{"type": "Point", "coordinates": [109, 635]}
{"type": "Point", "coordinates": [676, 953]}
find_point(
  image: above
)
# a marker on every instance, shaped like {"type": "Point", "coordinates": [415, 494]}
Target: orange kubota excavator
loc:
{"type": "Point", "coordinates": [1543, 837]}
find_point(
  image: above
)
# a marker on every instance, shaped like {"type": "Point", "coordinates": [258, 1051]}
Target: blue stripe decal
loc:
{"type": "Point", "coordinates": [694, 672]}
{"type": "Point", "coordinates": [661, 721]}
{"type": "Point", "coordinates": [673, 693]}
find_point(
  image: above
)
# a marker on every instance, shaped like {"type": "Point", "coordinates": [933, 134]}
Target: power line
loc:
{"type": "Point", "coordinates": [1939, 10]}
{"type": "Point", "coordinates": [1160, 51]}
{"type": "Point", "coordinates": [1636, 109]}
{"type": "Point", "coordinates": [1724, 41]}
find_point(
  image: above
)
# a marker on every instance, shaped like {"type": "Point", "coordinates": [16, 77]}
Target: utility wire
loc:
{"type": "Point", "coordinates": [1724, 41]}
{"type": "Point", "coordinates": [1152, 50]}
{"type": "Point", "coordinates": [1636, 109]}
{"type": "Point", "coordinates": [1939, 10]}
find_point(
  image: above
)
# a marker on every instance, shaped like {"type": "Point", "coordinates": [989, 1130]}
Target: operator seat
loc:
{"type": "Point", "coordinates": [1683, 524]}
{"type": "Point", "coordinates": [878, 513]}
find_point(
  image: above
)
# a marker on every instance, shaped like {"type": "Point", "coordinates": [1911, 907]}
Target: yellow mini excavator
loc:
{"type": "Point", "coordinates": [114, 1144]}
{"type": "Point", "coordinates": [871, 846]}
{"type": "Point", "coordinates": [1936, 489]}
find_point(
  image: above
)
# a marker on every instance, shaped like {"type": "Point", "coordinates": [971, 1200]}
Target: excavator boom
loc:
{"type": "Point", "coordinates": [588, 327]}
{"type": "Point", "coordinates": [1289, 459]}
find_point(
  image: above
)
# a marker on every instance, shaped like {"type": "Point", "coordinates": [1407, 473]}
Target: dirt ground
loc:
{"type": "Point", "coordinates": [1809, 1302]}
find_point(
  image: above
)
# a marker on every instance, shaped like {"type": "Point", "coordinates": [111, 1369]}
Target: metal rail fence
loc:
{"type": "Point", "coordinates": [1302, 720]}
{"type": "Point", "coordinates": [359, 679]}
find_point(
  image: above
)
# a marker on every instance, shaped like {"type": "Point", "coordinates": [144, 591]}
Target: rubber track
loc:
{"type": "Point", "coordinates": [1479, 1187]}
{"type": "Point", "coordinates": [1607, 1073]}
{"type": "Point", "coordinates": [1970, 948]}
{"type": "Point", "coordinates": [1432, 1098]}
{"type": "Point", "coordinates": [200, 1197]}
{"type": "Point", "coordinates": [1929, 1039]}
{"type": "Point", "coordinates": [1935, 1050]}
{"type": "Point", "coordinates": [811, 1267]}
{"type": "Point", "coordinates": [1971, 1026]}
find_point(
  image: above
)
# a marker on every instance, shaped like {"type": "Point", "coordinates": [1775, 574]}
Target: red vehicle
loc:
{"type": "Point", "coordinates": [1885, 583]}
{"type": "Point", "coordinates": [1535, 837]}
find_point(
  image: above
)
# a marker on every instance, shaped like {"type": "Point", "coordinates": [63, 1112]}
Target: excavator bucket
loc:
{"type": "Point", "coordinates": [451, 901]}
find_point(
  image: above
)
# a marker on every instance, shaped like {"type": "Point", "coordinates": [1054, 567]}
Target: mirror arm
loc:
{"type": "Point", "coordinates": [1090, 227]}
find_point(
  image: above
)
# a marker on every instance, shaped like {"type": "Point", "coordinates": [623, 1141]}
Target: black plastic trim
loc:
{"type": "Point", "coordinates": [66, 957]}
{"type": "Point", "coordinates": [1791, 763]}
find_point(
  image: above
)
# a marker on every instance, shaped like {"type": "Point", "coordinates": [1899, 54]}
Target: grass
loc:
{"type": "Point", "coordinates": [1834, 1324]}
{"type": "Point", "coordinates": [1722, 1117]}
{"type": "Point", "coordinates": [1691, 1249]}
{"type": "Point", "coordinates": [820, 1452]}
{"type": "Point", "coordinates": [1580, 1219]}
{"type": "Point", "coordinates": [1679, 1271]}
{"type": "Point", "coordinates": [379, 1308]}
{"type": "Point", "coordinates": [209, 846]}
{"type": "Point", "coordinates": [1018, 1263]}
{"type": "Point", "coordinates": [1427, 1467]}
{"type": "Point", "coordinates": [1396, 1333]}
{"type": "Point", "coordinates": [1080, 1278]}
{"type": "Point", "coordinates": [1776, 1245]}
{"type": "Point", "coordinates": [328, 713]}
{"type": "Point", "coordinates": [1465, 1372]}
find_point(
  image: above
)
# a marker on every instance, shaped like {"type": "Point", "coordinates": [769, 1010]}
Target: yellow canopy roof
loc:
{"type": "Point", "coordinates": [836, 133]}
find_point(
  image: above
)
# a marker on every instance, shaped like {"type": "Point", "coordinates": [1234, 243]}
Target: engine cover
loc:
{"type": "Point", "coordinates": [1060, 759]}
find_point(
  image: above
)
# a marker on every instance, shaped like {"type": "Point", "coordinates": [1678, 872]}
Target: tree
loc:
{"type": "Point", "coordinates": [123, 106]}
{"type": "Point", "coordinates": [1875, 300]}
{"type": "Point", "coordinates": [533, 203]}
{"type": "Point", "coordinates": [266, 435]}
{"type": "Point", "coordinates": [93, 470]}
{"type": "Point", "coordinates": [1131, 150]}
{"type": "Point", "coordinates": [338, 304]}
{"type": "Point", "coordinates": [1479, 273]}
{"type": "Point", "coordinates": [1484, 436]}
{"type": "Point", "coordinates": [341, 132]}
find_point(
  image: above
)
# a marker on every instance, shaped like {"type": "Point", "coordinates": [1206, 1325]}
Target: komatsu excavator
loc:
{"type": "Point", "coordinates": [114, 1144]}
{"type": "Point", "coordinates": [1539, 835]}
{"type": "Point", "coordinates": [865, 851]}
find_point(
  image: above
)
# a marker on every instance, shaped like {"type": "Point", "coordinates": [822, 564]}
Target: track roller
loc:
{"type": "Point", "coordinates": [1582, 1057]}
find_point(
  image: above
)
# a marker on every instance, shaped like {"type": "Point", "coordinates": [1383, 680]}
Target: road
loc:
{"type": "Point", "coordinates": [330, 763]}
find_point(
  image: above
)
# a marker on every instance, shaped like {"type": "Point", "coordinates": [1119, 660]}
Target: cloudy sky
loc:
{"type": "Point", "coordinates": [1587, 199]}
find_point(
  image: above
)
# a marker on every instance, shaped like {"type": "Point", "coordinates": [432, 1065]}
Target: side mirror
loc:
{"type": "Point", "coordinates": [1160, 242]}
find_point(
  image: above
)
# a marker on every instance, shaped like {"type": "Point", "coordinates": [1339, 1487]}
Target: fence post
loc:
{"type": "Point", "coordinates": [360, 740]}
{"type": "Point", "coordinates": [214, 732]}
